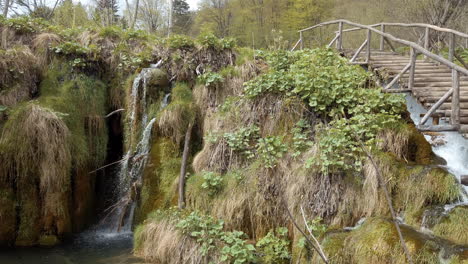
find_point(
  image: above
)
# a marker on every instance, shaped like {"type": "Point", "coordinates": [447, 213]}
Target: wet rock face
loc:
{"type": "Point", "coordinates": [464, 180]}
{"type": "Point", "coordinates": [432, 216]}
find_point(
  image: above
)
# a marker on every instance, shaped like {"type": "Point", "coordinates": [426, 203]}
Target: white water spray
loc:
{"type": "Point", "coordinates": [451, 146]}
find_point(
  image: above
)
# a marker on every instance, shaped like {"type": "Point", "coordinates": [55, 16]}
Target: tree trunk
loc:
{"type": "Point", "coordinates": [5, 8]}
{"type": "Point", "coordinates": [135, 15]}
{"type": "Point", "coordinates": [171, 10]}
{"type": "Point", "coordinates": [183, 167]}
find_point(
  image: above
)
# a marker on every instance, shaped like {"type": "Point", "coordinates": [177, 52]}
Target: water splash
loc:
{"type": "Point", "coordinates": [451, 146]}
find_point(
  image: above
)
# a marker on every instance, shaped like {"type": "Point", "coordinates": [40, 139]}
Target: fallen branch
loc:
{"type": "Point", "coordinates": [387, 197]}
{"type": "Point", "coordinates": [303, 233]}
{"type": "Point", "coordinates": [312, 235]}
{"type": "Point", "coordinates": [114, 112]}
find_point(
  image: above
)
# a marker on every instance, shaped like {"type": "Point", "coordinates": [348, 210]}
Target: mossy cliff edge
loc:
{"type": "Point", "coordinates": [281, 143]}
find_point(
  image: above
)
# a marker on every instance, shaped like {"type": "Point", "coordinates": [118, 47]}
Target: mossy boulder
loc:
{"type": "Point", "coordinates": [7, 216]}
{"type": "Point", "coordinates": [453, 226]}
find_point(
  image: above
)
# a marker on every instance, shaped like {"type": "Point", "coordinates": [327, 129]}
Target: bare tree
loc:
{"type": "Point", "coordinates": [137, 4]}
{"type": "Point", "coordinates": [5, 8]}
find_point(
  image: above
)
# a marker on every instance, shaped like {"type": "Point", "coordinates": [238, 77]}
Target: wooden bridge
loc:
{"type": "Point", "coordinates": [437, 82]}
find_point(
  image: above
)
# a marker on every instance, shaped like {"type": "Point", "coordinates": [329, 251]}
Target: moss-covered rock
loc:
{"type": "Point", "coordinates": [453, 226]}
{"type": "Point", "coordinates": [7, 216]}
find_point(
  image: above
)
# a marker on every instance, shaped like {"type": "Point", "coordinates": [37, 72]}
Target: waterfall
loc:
{"type": "Point", "coordinates": [134, 161]}
{"type": "Point", "coordinates": [451, 146]}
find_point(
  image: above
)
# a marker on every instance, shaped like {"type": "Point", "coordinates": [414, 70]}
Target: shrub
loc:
{"type": "Point", "coordinates": [243, 140]}
{"type": "Point", "coordinates": [274, 247]}
{"type": "Point", "coordinates": [212, 183]}
{"type": "Point", "coordinates": [179, 42]}
{"type": "Point", "coordinates": [270, 149]}
{"type": "Point", "coordinates": [211, 79]}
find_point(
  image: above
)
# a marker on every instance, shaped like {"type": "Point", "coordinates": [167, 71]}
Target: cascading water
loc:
{"type": "Point", "coordinates": [451, 146]}
{"type": "Point", "coordinates": [134, 161]}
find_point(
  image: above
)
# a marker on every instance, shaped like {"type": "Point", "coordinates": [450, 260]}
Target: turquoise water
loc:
{"type": "Point", "coordinates": [87, 248]}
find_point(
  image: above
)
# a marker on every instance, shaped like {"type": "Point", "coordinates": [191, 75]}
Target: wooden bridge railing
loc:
{"type": "Point", "coordinates": [415, 50]}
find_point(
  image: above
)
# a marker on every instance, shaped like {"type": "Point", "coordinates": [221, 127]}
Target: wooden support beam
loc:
{"type": "Point", "coordinates": [412, 69]}
{"type": "Point", "coordinates": [382, 38]}
{"type": "Point", "coordinates": [333, 40]}
{"type": "Point", "coordinates": [435, 107]}
{"type": "Point", "coordinates": [297, 43]}
{"type": "Point", "coordinates": [451, 47]}
{"type": "Point", "coordinates": [390, 44]}
{"type": "Point", "coordinates": [359, 51]}
{"type": "Point", "coordinates": [396, 91]}
{"type": "Point", "coordinates": [455, 115]}
{"type": "Point", "coordinates": [396, 78]}
{"type": "Point", "coordinates": [438, 128]}
{"type": "Point", "coordinates": [302, 42]}
{"type": "Point", "coordinates": [368, 52]}
{"type": "Point", "coordinates": [340, 39]}
{"type": "Point", "coordinates": [426, 40]}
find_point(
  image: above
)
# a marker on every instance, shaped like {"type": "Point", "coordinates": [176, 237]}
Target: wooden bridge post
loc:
{"type": "Point", "coordinates": [368, 51]}
{"type": "Point", "coordinates": [451, 47]}
{"type": "Point", "coordinates": [339, 44]}
{"type": "Point", "coordinates": [413, 56]}
{"type": "Point", "coordinates": [382, 38]}
{"type": "Point", "coordinates": [455, 116]}
{"type": "Point", "coordinates": [301, 40]}
{"type": "Point", "coordinates": [426, 40]}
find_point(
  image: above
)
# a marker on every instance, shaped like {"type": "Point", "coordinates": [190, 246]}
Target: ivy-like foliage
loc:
{"type": "Point", "coordinates": [213, 183]}
{"type": "Point", "coordinates": [274, 247]}
{"type": "Point", "coordinates": [208, 232]}
{"type": "Point", "coordinates": [211, 79]}
{"type": "Point", "coordinates": [336, 91]}
{"type": "Point", "coordinates": [270, 149]}
{"type": "Point", "coordinates": [243, 140]}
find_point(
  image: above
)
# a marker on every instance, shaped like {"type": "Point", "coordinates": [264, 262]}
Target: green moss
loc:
{"type": "Point", "coordinates": [159, 180]}
{"type": "Point", "coordinates": [48, 241]}
{"type": "Point", "coordinates": [29, 214]}
{"type": "Point", "coordinates": [420, 151]}
{"type": "Point", "coordinates": [81, 102]}
{"type": "Point", "coordinates": [7, 216]}
{"type": "Point", "coordinates": [453, 226]}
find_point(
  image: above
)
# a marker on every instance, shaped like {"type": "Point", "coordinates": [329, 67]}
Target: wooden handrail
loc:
{"type": "Point", "coordinates": [422, 25]}
{"type": "Point", "coordinates": [413, 45]}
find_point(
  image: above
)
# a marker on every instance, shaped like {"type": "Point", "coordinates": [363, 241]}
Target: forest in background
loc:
{"type": "Point", "coordinates": [254, 23]}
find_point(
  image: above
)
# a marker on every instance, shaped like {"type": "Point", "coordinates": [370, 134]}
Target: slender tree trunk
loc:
{"type": "Point", "coordinates": [135, 15]}
{"type": "Point", "coordinates": [183, 167]}
{"type": "Point", "coordinates": [5, 8]}
{"type": "Point", "coordinates": [171, 10]}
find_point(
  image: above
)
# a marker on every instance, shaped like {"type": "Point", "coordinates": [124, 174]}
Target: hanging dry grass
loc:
{"type": "Point", "coordinates": [35, 141]}
{"type": "Point", "coordinates": [160, 242]}
{"type": "Point", "coordinates": [19, 74]}
{"type": "Point", "coordinates": [41, 45]}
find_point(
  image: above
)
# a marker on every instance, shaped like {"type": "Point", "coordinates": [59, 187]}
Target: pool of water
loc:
{"type": "Point", "coordinates": [87, 248]}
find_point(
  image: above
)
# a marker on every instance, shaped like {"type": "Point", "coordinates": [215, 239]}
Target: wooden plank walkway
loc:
{"type": "Point", "coordinates": [438, 83]}
{"type": "Point", "coordinates": [431, 80]}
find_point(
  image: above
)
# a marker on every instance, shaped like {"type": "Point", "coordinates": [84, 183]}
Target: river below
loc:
{"type": "Point", "coordinates": [86, 248]}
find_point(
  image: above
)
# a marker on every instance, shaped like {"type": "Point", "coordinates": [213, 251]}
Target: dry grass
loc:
{"type": "Point", "coordinates": [160, 242]}
{"type": "Point", "coordinates": [19, 74]}
{"type": "Point", "coordinates": [41, 45]}
{"type": "Point", "coordinates": [36, 142]}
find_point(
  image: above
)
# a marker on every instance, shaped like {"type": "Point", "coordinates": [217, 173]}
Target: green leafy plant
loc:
{"type": "Point", "coordinates": [270, 149]}
{"type": "Point", "coordinates": [179, 42]}
{"type": "Point", "coordinates": [236, 250]}
{"type": "Point", "coordinates": [243, 140]}
{"type": "Point", "coordinates": [274, 247]}
{"type": "Point", "coordinates": [208, 232]}
{"type": "Point", "coordinates": [211, 79]}
{"type": "Point", "coordinates": [300, 140]}
{"type": "Point", "coordinates": [213, 183]}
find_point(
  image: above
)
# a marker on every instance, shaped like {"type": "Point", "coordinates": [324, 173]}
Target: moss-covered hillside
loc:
{"type": "Point", "coordinates": [57, 87]}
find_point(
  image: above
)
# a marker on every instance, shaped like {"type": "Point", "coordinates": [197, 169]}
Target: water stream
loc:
{"type": "Point", "coordinates": [451, 146]}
